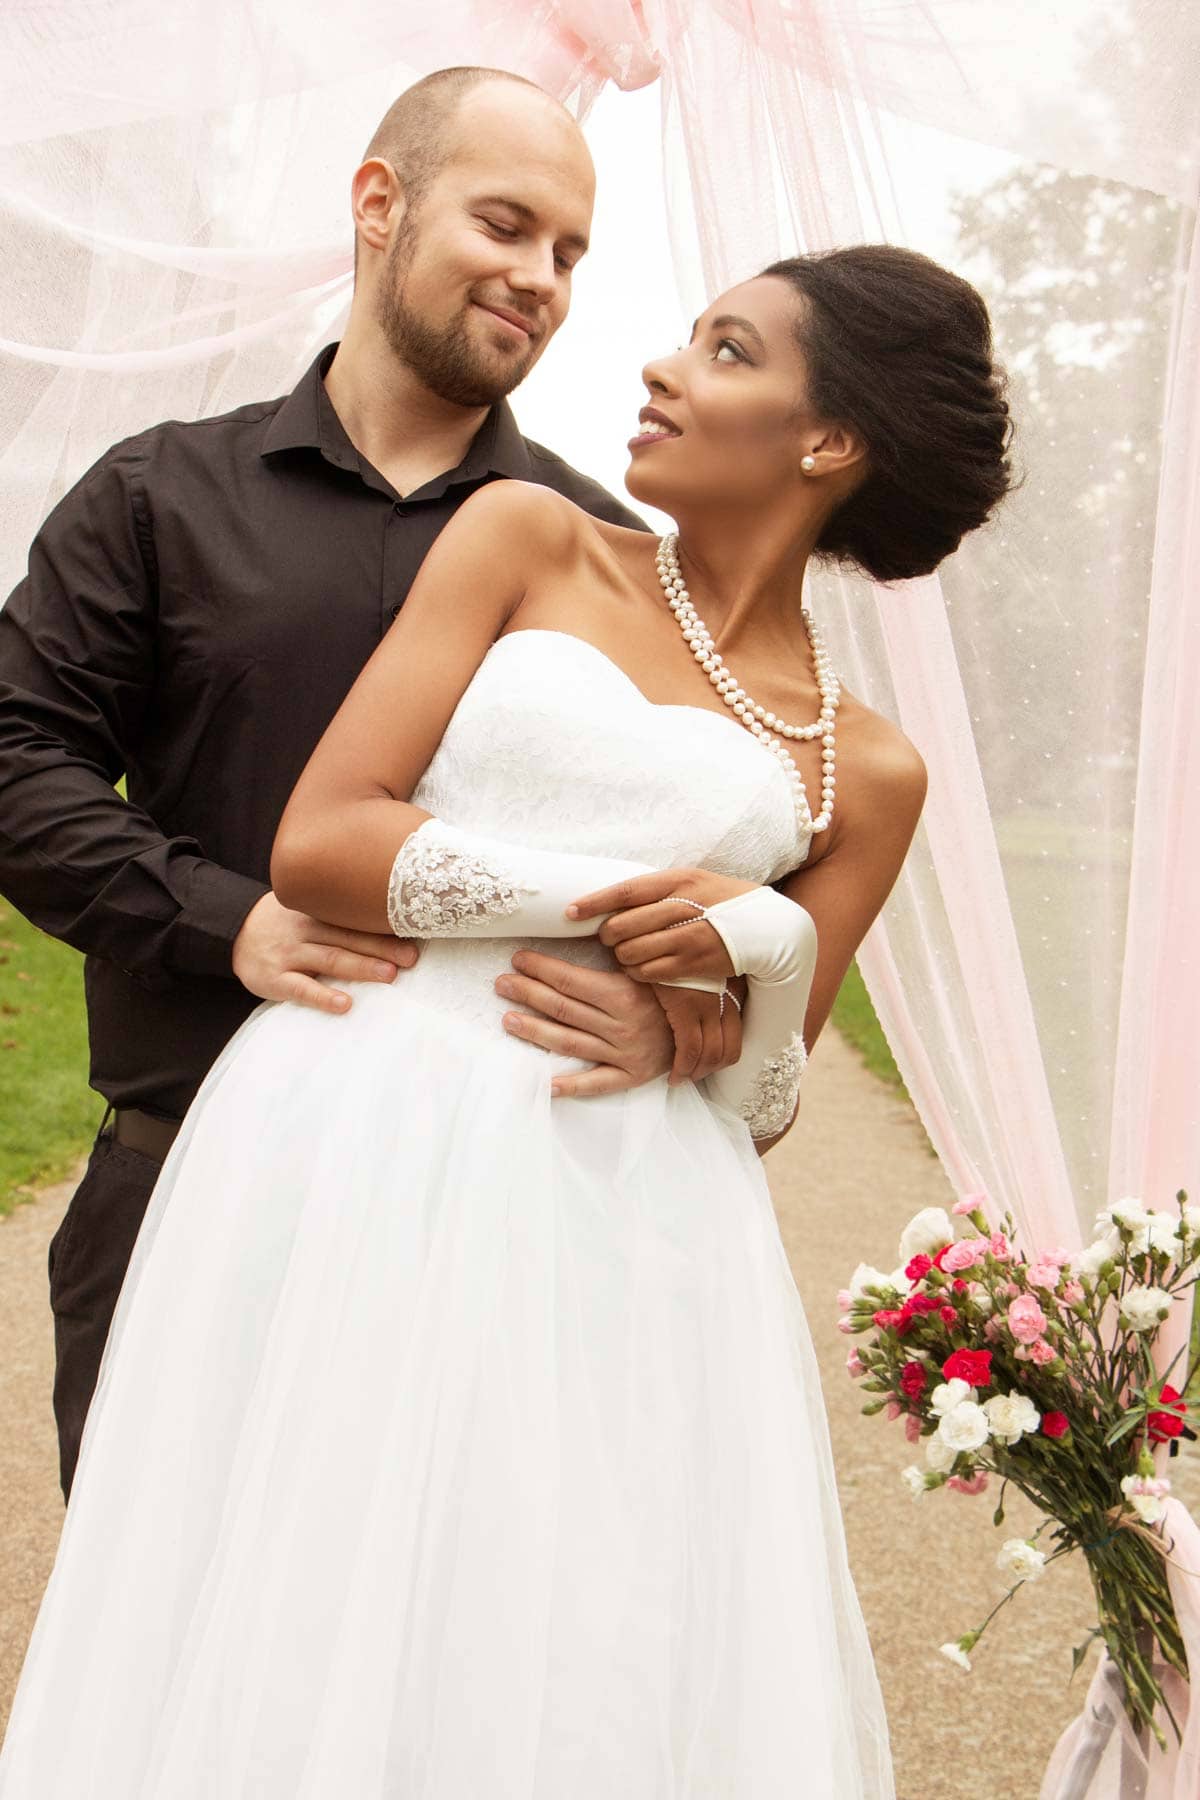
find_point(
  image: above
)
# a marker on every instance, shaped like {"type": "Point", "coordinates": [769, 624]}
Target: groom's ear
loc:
{"type": "Point", "coordinates": [377, 203]}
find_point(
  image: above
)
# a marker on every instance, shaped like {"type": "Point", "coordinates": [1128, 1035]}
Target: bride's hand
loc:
{"type": "Point", "coordinates": [654, 933]}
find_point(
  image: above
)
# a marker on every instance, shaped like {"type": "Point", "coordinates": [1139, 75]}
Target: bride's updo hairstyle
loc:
{"type": "Point", "coordinates": [900, 349]}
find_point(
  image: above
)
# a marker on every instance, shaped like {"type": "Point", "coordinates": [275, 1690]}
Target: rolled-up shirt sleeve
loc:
{"type": "Point", "coordinates": [77, 669]}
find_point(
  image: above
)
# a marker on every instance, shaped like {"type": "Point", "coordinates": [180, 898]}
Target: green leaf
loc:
{"type": "Point", "coordinates": [1080, 1651]}
{"type": "Point", "coordinates": [1129, 1423]}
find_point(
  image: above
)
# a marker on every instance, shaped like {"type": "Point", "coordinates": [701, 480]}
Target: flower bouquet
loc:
{"type": "Point", "coordinates": [1039, 1370]}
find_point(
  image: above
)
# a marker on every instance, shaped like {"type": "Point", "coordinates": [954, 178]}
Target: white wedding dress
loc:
{"type": "Point", "coordinates": [452, 1442]}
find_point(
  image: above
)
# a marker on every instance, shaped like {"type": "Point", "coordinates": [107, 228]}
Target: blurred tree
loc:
{"type": "Point", "coordinates": [1078, 275]}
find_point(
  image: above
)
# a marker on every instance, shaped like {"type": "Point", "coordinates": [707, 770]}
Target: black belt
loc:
{"type": "Point", "coordinates": [142, 1131]}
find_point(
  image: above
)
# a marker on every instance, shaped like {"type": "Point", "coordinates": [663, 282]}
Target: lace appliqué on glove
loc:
{"type": "Point", "coordinates": [769, 1106]}
{"type": "Point", "coordinates": [437, 889]}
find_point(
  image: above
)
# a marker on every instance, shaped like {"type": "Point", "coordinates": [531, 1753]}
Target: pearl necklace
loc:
{"type": "Point", "coordinates": [765, 725]}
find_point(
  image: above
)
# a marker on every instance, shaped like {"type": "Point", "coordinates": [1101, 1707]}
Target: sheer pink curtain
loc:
{"type": "Point", "coordinates": [1035, 968]}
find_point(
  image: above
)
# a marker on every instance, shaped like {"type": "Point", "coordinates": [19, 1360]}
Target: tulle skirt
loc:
{"type": "Point", "coordinates": [451, 1443]}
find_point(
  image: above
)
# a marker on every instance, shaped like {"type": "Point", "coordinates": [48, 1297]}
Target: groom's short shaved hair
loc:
{"type": "Point", "coordinates": [416, 133]}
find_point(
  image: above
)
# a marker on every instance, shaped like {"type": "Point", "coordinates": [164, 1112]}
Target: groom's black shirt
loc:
{"type": "Point", "coordinates": [196, 609]}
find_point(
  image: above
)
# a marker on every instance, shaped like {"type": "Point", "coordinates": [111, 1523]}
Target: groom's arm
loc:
{"type": "Point", "coordinates": [78, 662]}
{"type": "Point", "coordinates": [77, 665]}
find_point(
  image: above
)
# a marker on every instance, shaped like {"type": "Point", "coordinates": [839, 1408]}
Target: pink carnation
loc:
{"type": "Point", "coordinates": [846, 1325]}
{"type": "Point", "coordinates": [845, 1299]}
{"type": "Point", "coordinates": [855, 1364]}
{"type": "Point", "coordinates": [1043, 1273]}
{"type": "Point", "coordinates": [999, 1246]}
{"type": "Point", "coordinates": [912, 1427]}
{"type": "Point", "coordinates": [992, 1329]}
{"type": "Point", "coordinates": [1026, 1320]}
{"type": "Point", "coordinates": [964, 1254]}
{"type": "Point", "coordinates": [894, 1409]}
{"type": "Point", "coordinates": [1072, 1293]}
{"type": "Point", "coordinates": [968, 1204]}
{"type": "Point", "coordinates": [1038, 1352]}
{"type": "Point", "coordinates": [969, 1484]}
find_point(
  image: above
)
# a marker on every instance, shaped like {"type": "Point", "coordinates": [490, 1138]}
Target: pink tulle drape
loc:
{"type": "Point", "coordinates": [1035, 968]}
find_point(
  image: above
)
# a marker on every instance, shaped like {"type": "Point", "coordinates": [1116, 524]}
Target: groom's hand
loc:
{"type": "Point", "coordinates": [278, 955]}
{"type": "Point", "coordinates": [605, 1017]}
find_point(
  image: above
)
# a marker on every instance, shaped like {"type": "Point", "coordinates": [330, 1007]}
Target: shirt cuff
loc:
{"type": "Point", "coordinates": [203, 935]}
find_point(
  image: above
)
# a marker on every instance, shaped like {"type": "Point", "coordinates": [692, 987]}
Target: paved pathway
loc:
{"type": "Point", "coordinates": [853, 1171]}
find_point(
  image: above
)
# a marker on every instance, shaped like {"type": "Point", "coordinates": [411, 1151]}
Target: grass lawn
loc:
{"type": "Point", "coordinates": [48, 1114]}
{"type": "Point", "coordinates": [855, 1018]}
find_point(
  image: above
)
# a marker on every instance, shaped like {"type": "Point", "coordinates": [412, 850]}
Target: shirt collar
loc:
{"type": "Point", "coordinates": [307, 420]}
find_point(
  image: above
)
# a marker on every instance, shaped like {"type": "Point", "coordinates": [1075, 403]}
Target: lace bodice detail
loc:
{"type": "Point", "coordinates": [553, 746]}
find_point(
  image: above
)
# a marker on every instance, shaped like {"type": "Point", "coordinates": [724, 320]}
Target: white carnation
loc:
{"type": "Point", "coordinates": [1128, 1212]}
{"type": "Point", "coordinates": [1143, 1307]}
{"type": "Point", "coordinates": [1162, 1232]}
{"type": "Point", "coordinates": [1147, 1230]}
{"type": "Point", "coordinates": [957, 1654]}
{"type": "Point", "coordinates": [949, 1394]}
{"type": "Point", "coordinates": [1147, 1496]}
{"type": "Point", "coordinates": [925, 1234]}
{"type": "Point", "coordinates": [964, 1427]}
{"type": "Point", "coordinates": [864, 1277]}
{"type": "Point", "coordinates": [1191, 1218]}
{"type": "Point", "coordinates": [899, 1280]}
{"type": "Point", "coordinates": [1011, 1414]}
{"type": "Point", "coordinates": [1104, 1249]}
{"type": "Point", "coordinates": [915, 1479]}
{"type": "Point", "coordinates": [1020, 1560]}
{"type": "Point", "coordinates": [938, 1454]}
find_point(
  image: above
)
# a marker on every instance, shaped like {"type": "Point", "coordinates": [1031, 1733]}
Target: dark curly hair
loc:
{"type": "Point", "coordinates": [900, 349]}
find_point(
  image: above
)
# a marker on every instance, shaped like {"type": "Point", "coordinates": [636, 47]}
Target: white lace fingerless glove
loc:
{"type": "Point", "coordinates": [451, 883]}
{"type": "Point", "coordinates": [773, 942]}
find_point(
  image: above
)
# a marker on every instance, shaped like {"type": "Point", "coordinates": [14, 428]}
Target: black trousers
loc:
{"type": "Point", "coordinates": [87, 1260]}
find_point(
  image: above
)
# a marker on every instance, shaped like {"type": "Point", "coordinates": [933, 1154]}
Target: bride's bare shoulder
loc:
{"type": "Point", "coordinates": [888, 769]}
{"type": "Point", "coordinates": [521, 511]}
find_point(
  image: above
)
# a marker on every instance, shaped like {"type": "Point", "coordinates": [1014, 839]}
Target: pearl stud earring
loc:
{"type": "Point", "coordinates": [808, 464]}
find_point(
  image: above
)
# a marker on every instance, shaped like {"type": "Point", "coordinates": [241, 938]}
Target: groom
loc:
{"type": "Point", "coordinates": [196, 609]}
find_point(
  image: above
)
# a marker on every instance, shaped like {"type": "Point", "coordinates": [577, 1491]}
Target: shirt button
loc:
{"type": "Point", "coordinates": [395, 612]}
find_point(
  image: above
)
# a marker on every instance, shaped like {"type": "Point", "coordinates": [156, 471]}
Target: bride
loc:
{"type": "Point", "coordinates": [459, 1433]}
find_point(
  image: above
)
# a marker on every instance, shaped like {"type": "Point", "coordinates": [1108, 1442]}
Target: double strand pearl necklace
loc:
{"type": "Point", "coordinates": [769, 729]}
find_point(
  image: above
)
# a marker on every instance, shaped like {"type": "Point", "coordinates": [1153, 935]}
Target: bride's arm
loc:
{"type": "Point", "coordinates": [351, 848]}
{"type": "Point", "coordinates": [793, 943]}
{"type": "Point", "coordinates": [842, 893]}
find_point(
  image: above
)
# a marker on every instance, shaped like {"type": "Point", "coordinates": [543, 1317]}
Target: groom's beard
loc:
{"type": "Point", "coordinates": [444, 357]}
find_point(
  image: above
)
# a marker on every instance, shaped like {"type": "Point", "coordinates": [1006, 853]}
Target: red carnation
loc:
{"type": "Point", "coordinates": [948, 1314]}
{"type": "Point", "coordinates": [887, 1318]}
{"type": "Point", "coordinates": [1164, 1425]}
{"type": "Point", "coordinates": [912, 1379]}
{"type": "Point", "coordinates": [920, 1265]}
{"type": "Point", "coordinates": [921, 1303]}
{"type": "Point", "coordinates": [972, 1366]}
{"type": "Point", "coordinates": [937, 1261]}
{"type": "Point", "coordinates": [959, 1286]}
{"type": "Point", "coordinates": [1055, 1424]}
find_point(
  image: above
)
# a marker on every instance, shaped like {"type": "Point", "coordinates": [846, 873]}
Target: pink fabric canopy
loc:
{"type": "Point", "coordinates": [1035, 968]}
